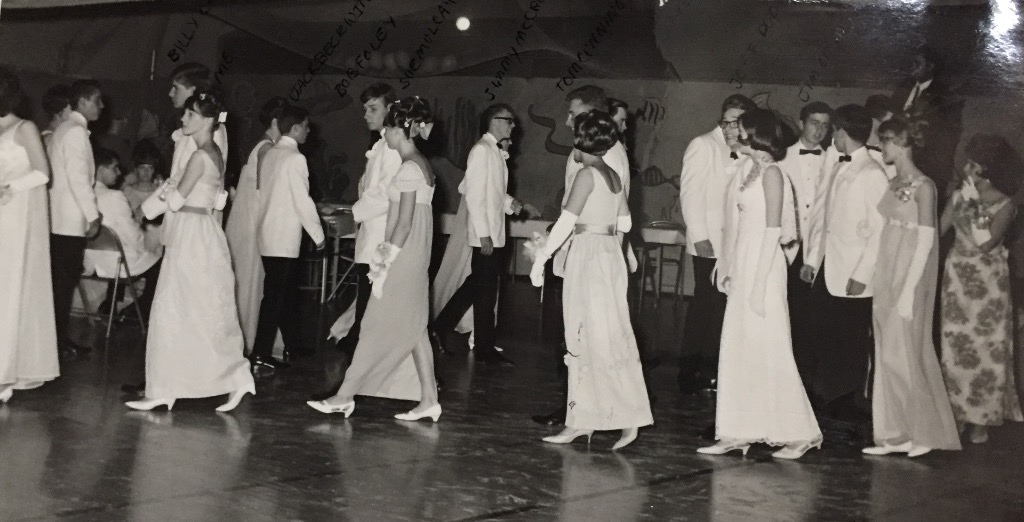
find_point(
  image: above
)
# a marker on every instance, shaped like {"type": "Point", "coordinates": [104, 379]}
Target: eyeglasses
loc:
{"type": "Point", "coordinates": [733, 124]}
{"type": "Point", "coordinates": [509, 119]}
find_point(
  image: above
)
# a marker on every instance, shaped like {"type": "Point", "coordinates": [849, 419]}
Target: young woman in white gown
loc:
{"type": "Point", "coordinates": [606, 382]}
{"type": "Point", "coordinates": [28, 335]}
{"type": "Point", "coordinates": [241, 226]}
{"type": "Point", "coordinates": [194, 346]}
{"type": "Point", "coordinates": [761, 398]}
{"type": "Point", "coordinates": [393, 358]}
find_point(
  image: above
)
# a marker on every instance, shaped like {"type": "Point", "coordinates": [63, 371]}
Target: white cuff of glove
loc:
{"type": "Point", "coordinates": [33, 179]}
{"type": "Point", "coordinates": [175, 200]}
{"type": "Point", "coordinates": [624, 223]}
{"type": "Point", "coordinates": [560, 232]}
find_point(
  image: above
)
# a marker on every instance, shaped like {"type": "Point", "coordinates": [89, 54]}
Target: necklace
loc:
{"type": "Point", "coordinates": [755, 173]}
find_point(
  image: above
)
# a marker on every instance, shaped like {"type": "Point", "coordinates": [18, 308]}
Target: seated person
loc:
{"type": "Point", "coordinates": [145, 177]}
{"type": "Point", "coordinates": [117, 216]}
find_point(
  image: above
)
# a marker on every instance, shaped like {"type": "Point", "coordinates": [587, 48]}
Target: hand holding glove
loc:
{"type": "Point", "coordinates": [383, 257]}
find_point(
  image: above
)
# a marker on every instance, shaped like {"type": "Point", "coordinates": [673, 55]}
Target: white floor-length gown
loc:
{"type": "Point", "coordinates": [245, 255]}
{"type": "Point", "coordinates": [761, 397]}
{"type": "Point", "coordinates": [194, 346]}
{"type": "Point", "coordinates": [28, 337]}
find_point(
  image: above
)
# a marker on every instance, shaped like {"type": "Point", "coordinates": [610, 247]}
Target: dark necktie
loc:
{"type": "Point", "coordinates": [733, 155]}
{"type": "Point", "coordinates": [844, 157]}
{"type": "Point", "coordinates": [816, 152]}
{"type": "Point", "coordinates": [874, 148]}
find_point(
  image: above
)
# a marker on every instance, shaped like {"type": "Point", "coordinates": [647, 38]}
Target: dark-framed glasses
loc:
{"type": "Point", "coordinates": [509, 119]}
{"type": "Point", "coordinates": [730, 124]}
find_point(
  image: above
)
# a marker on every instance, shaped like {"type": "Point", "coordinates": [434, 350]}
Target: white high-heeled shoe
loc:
{"type": "Point", "coordinates": [628, 436]}
{"type": "Point", "coordinates": [887, 449]}
{"type": "Point", "coordinates": [149, 404]}
{"type": "Point", "coordinates": [917, 451]}
{"type": "Point", "coordinates": [5, 394]}
{"type": "Point", "coordinates": [723, 447]}
{"type": "Point", "coordinates": [568, 435]}
{"type": "Point", "coordinates": [324, 407]}
{"type": "Point", "coordinates": [433, 412]}
{"type": "Point", "coordinates": [797, 450]}
{"type": "Point", "coordinates": [236, 397]}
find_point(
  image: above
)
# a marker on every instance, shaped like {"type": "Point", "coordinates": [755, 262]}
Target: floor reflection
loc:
{"type": "Point", "coordinates": [599, 487]}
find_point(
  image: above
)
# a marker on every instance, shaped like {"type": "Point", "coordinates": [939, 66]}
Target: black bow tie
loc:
{"type": "Point", "coordinates": [733, 155]}
{"type": "Point", "coordinates": [816, 152]}
{"type": "Point", "coordinates": [874, 148]}
{"type": "Point", "coordinates": [844, 157]}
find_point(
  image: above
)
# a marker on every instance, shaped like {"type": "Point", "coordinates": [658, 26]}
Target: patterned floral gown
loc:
{"type": "Point", "coordinates": [977, 355]}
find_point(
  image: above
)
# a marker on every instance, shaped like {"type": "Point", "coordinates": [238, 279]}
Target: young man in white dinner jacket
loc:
{"type": "Point", "coordinates": [709, 165]}
{"type": "Point", "coordinates": [485, 188]}
{"type": "Point", "coordinates": [285, 210]}
{"type": "Point", "coordinates": [844, 245]}
{"type": "Point", "coordinates": [74, 216]}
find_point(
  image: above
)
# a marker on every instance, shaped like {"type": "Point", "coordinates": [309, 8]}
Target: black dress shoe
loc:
{"type": "Point", "coordinates": [554, 418]}
{"type": "Point", "coordinates": [269, 363]}
{"type": "Point", "coordinates": [75, 348]}
{"type": "Point", "coordinates": [495, 358]}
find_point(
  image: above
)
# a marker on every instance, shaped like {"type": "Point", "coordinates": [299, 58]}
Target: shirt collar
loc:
{"type": "Point", "coordinates": [800, 143]}
{"type": "Point", "coordinates": [858, 153]}
{"type": "Point", "coordinates": [78, 118]}
{"type": "Point", "coordinates": [924, 85]}
{"type": "Point", "coordinates": [490, 138]}
{"type": "Point", "coordinates": [289, 142]}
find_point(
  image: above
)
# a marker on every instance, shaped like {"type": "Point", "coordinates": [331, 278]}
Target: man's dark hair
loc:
{"type": "Point", "coordinates": [193, 74]}
{"type": "Point", "coordinates": [855, 120]}
{"type": "Point", "coordinates": [591, 95]}
{"type": "Point", "coordinates": [379, 90]}
{"type": "Point", "coordinates": [815, 107]}
{"type": "Point", "coordinates": [105, 157]}
{"type": "Point", "coordinates": [56, 99]}
{"type": "Point", "coordinates": [738, 101]}
{"type": "Point", "coordinates": [291, 116]}
{"type": "Point", "coordinates": [614, 104]}
{"type": "Point", "coordinates": [81, 90]}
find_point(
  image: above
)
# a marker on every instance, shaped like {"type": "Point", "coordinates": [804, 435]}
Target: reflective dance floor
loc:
{"type": "Point", "coordinates": [72, 451]}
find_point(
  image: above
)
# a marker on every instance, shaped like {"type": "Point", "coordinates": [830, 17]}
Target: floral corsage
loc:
{"type": "Point", "coordinates": [535, 246]}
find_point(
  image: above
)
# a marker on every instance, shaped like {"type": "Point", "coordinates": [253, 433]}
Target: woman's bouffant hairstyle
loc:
{"type": "Point", "coordinates": [206, 104]}
{"type": "Point", "coordinates": [407, 112]}
{"type": "Point", "coordinates": [56, 99]}
{"type": "Point", "coordinates": [594, 133]}
{"type": "Point", "coordinates": [10, 92]}
{"type": "Point", "coordinates": [272, 109]}
{"type": "Point", "coordinates": [766, 132]}
{"type": "Point", "coordinates": [999, 161]}
{"type": "Point", "coordinates": [906, 132]}
{"type": "Point", "coordinates": [146, 152]}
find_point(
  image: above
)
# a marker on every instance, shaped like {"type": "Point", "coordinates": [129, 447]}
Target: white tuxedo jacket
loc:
{"type": "Point", "coordinates": [616, 158]}
{"type": "Point", "coordinates": [285, 205]}
{"type": "Point", "coordinates": [484, 187]}
{"type": "Point", "coordinates": [852, 225]}
{"type": "Point", "coordinates": [806, 172]}
{"type": "Point", "coordinates": [371, 210]}
{"type": "Point", "coordinates": [707, 172]}
{"type": "Point", "coordinates": [117, 216]}
{"type": "Point", "coordinates": [72, 200]}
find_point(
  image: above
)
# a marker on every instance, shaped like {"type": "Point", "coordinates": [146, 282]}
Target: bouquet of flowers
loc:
{"type": "Point", "coordinates": [973, 208]}
{"type": "Point", "coordinates": [383, 257]}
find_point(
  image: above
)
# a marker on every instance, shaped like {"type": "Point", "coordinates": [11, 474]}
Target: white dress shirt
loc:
{"type": "Point", "coordinates": [285, 205]}
{"type": "Point", "coordinates": [485, 186]}
{"type": "Point", "coordinates": [707, 172]}
{"type": "Point", "coordinates": [852, 224]}
{"type": "Point", "coordinates": [915, 93]}
{"type": "Point", "coordinates": [72, 201]}
{"type": "Point", "coordinates": [616, 158]}
{"type": "Point", "coordinates": [117, 216]}
{"type": "Point", "coordinates": [371, 210]}
{"type": "Point", "coordinates": [805, 172]}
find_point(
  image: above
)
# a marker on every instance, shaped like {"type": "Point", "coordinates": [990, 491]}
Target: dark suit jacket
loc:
{"type": "Point", "coordinates": [942, 112]}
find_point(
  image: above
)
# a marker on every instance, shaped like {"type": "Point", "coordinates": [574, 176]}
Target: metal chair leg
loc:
{"type": "Point", "coordinates": [680, 271]}
{"type": "Point", "coordinates": [113, 305]}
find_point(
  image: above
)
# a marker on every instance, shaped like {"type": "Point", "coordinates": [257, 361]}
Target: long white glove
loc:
{"type": "Point", "coordinates": [33, 179]}
{"type": "Point", "coordinates": [561, 231]}
{"type": "Point", "coordinates": [624, 224]}
{"type": "Point", "coordinates": [383, 257]}
{"type": "Point", "coordinates": [165, 199]}
{"type": "Point", "coordinates": [769, 249]}
{"type": "Point", "coordinates": [925, 242]}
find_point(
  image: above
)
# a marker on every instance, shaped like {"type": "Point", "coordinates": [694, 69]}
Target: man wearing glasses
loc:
{"type": "Point", "coordinates": [709, 164]}
{"type": "Point", "coordinates": [487, 202]}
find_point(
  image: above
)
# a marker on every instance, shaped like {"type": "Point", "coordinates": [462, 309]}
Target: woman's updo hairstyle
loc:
{"type": "Point", "coordinates": [409, 113]}
{"type": "Point", "coordinates": [208, 105]}
{"type": "Point", "coordinates": [10, 92]}
{"type": "Point", "coordinates": [594, 132]}
{"type": "Point", "coordinates": [999, 161]}
{"type": "Point", "coordinates": [766, 132]}
{"type": "Point", "coordinates": [272, 109]}
{"type": "Point", "coordinates": [905, 132]}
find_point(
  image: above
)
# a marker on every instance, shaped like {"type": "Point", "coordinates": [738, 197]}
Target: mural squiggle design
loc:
{"type": "Point", "coordinates": [549, 144]}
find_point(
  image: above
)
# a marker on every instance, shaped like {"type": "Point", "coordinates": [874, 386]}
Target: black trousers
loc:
{"type": "Point", "coordinates": [842, 341]}
{"type": "Point", "coordinates": [279, 307]}
{"type": "Point", "coordinates": [66, 256]}
{"type": "Point", "coordinates": [363, 288]}
{"type": "Point", "coordinates": [148, 292]}
{"type": "Point", "coordinates": [802, 318]}
{"type": "Point", "coordinates": [481, 291]}
{"type": "Point", "coordinates": [702, 331]}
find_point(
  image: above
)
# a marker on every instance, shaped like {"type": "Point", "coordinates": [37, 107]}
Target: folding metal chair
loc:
{"type": "Point", "coordinates": [107, 241]}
